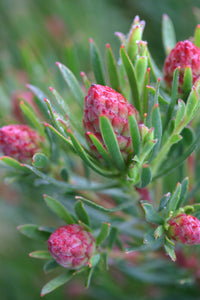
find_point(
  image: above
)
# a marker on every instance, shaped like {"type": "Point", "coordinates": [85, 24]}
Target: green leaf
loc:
{"type": "Point", "coordinates": [132, 79]}
{"type": "Point", "coordinates": [103, 234]}
{"type": "Point", "coordinates": [96, 63]}
{"type": "Point", "coordinates": [85, 80]}
{"type": "Point", "coordinates": [161, 99]}
{"type": "Point", "coordinates": [111, 143]}
{"type": "Point", "coordinates": [140, 68]}
{"type": "Point", "coordinates": [191, 104]}
{"type": "Point", "coordinates": [56, 282]}
{"type": "Point", "coordinates": [135, 134]}
{"type": "Point", "coordinates": [151, 215]}
{"type": "Point", "coordinates": [58, 209]}
{"type": "Point", "coordinates": [112, 69]}
{"type": "Point", "coordinates": [102, 151]}
{"type": "Point", "coordinates": [180, 113]}
{"type": "Point", "coordinates": [174, 200]}
{"type": "Point", "coordinates": [40, 160]}
{"type": "Point", "coordinates": [40, 254]}
{"type": "Point", "coordinates": [40, 99]}
{"type": "Point", "coordinates": [94, 260]}
{"type": "Point", "coordinates": [188, 80]}
{"type": "Point", "coordinates": [169, 249]}
{"type": "Point", "coordinates": [163, 201]}
{"type": "Point", "coordinates": [159, 232]}
{"type": "Point", "coordinates": [73, 84]}
{"type": "Point", "coordinates": [197, 36]}
{"type": "Point", "coordinates": [11, 162]}
{"type": "Point", "coordinates": [65, 139]}
{"type": "Point", "coordinates": [81, 152]}
{"type": "Point", "coordinates": [146, 176]}
{"type": "Point", "coordinates": [50, 265]}
{"type": "Point", "coordinates": [106, 210]}
{"type": "Point", "coordinates": [145, 92]}
{"type": "Point", "coordinates": [188, 136]}
{"type": "Point", "coordinates": [112, 237]}
{"type": "Point", "coordinates": [31, 117]}
{"type": "Point", "coordinates": [168, 34]}
{"type": "Point", "coordinates": [174, 94]}
{"type": "Point", "coordinates": [157, 125]}
{"type": "Point", "coordinates": [34, 232]}
{"type": "Point", "coordinates": [81, 212]}
{"type": "Point", "coordinates": [89, 277]}
{"type": "Point", "coordinates": [184, 190]}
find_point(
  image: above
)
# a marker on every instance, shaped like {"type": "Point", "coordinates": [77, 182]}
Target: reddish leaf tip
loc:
{"type": "Point", "coordinates": [148, 69]}
{"type": "Point", "coordinates": [90, 40]}
{"type": "Point", "coordinates": [198, 26]}
{"type": "Point", "coordinates": [159, 79]}
{"type": "Point", "coordinates": [51, 88]}
{"type": "Point", "coordinates": [107, 45]}
{"type": "Point", "coordinates": [82, 74]}
{"type": "Point", "coordinates": [122, 46]}
{"type": "Point", "coordinates": [57, 63]}
{"type": "Point", "coordinates": [145, 115]}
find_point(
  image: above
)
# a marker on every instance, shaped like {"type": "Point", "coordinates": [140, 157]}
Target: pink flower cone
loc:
{"type": "Point", "coordinates": [183, 55]}
{"type": "Point", "coordinates": [71, 246]}
{"type": "Point", "coordinates": [19, 141]}
{"type": "Point", "coordinates": [185, 229]}
{"type": "Point", "coordinates": [103, 100]}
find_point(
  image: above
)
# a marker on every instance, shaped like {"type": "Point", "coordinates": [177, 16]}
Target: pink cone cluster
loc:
{"type": "Point", "coordinates": [185, 229]}
{"type": "Point", "coordinates": [103, 100]}
{"type": "Point", "coordinates": [185, 54]}
{"type": "Point", "coordinates": [19, 141]}
{"type": "Point", "coordinates": [71, 246]}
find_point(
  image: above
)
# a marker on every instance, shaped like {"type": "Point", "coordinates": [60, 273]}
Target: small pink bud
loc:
{"type": "Point", "coordinates": [103, 100]}
{"type": "Point", "coordinates": [184, 55]}
{"type": "Point", "coordinates": [71, 246]}
{"type": "Point", "coordinates": [19, 141]}
{"type": "Point", "coordinates": [184, 229]}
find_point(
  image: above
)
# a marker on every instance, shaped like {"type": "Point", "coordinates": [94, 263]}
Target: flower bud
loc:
{"type": "Point", "coordinates": [103, 100]}
{"type": "Point", "coordinates": [185, 54]}
{"type": "Point", "coordinates": [184, 229]}
{"type": "Point", "coordinates": [19, 141]}
{"type": "Point", "coordinates": [71, 246]}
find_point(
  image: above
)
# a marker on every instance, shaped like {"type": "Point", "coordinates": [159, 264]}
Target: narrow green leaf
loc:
{"type": "Point", "coordinates": [112, 237]}
{"type": "Point", "coordinates": [145, 92]}
{"type": "Point", "coordinates": [197, 36]}
{"type": "Point", "coordinates": [11, 162]}
{"type": "Point", "coordinates": [102, 151]}
{"type": "Point", "coordinates": [146, 176]}
{"type": "Point", "coordinates": [94, 260]}
{"type": "Point", "coordinates": [40, 254]}
{"type": "Point", "coordinates": [132, 79]}
{"type": "Point", "coordinates": [176, 163]}
{"type": "Point", "coordinates": [81, 212]}
{"type": "Point", "coordinates": [103, 234]}
{"type": "Point", "coordinates": [174, 94]}
{"type": "Point", "coordinates": [89, 277]}
{"type": "Point", "coordinates": [168, 34]}
{"type": "Point", "coordinates": [155, 71]}
{"type": "Point", "coordinates": [112, 69]}
{"type": "Point", "coordinates": [184, 191]}
{"type": "Point", "coordinates": [111, 143]}
{"type": "Point", "coordinates": [169, 249]}
{"type": "Point", "coordinates": [140, 68]}
{"type": "Point", "coordinates": [191, 104]}
{"type": "Point", "coordinates": [188, 80]}
{"type": "Point", "coordinates": [103, 209]}
{"type": "Point", "coordinates": [174, 200]}
{"type": "Point", "coordinates": [161, 99]}
{"type": "Point", "coordinates": [56, 282]}
{"type": "Point", "coordinates": [66, 140]}
{"type": "Point", "coordinates": [156, 123]}
{"type": "Point", "coordinates": [79, 149]}
{"type": "Point", "coordinates": [85, 80]}
{"type": "Point", "coordinates": [50, 265]}
{"type": "Point", "coordinates": [159, 232]}
{"type": "Point", "coordinates": [135, 134]}
{"type": "Point", "coordinates": [32, 118]}
{"type": "Point", "coordinates": [180, 112]}
{"type": "Point", "coordinates": [40, 160]}
{"type": "Point", "coordinates": [33, 231]}
{"type": "Point", "coordinates": [73, 84]}
{"type": "Point", "coordinates": [163, 201]}
{"type": "Point", "coordinates": [188, 136]}
{"type": "Point", "coordinates": [53, 115]}
{"type": "Point", "coordinates": [96, 63]}
{"type": "Point", "coordinates": [151, 215]}
{"type": "Point", "coordinates": [58, 209]}
{"type": "Point", "coordinates": [175, 138]}
{"type": "Point", "coordinates": [40, 99]}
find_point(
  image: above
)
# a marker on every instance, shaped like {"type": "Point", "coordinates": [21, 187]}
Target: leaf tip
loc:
{"type": "Point", "coordinates": [107, 45]}
{"type": "Point", "coordinates": [51, 88]}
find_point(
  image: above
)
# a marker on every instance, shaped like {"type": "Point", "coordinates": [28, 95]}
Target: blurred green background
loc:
{"type": "Point", "coordinates": [34, 35]}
